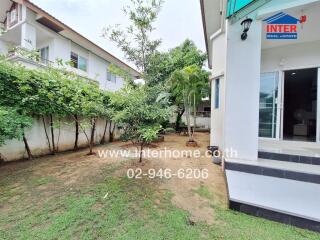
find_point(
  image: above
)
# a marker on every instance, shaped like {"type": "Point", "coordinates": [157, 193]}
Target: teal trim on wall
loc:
{"type": "Point", "coordinates": [236, 5]}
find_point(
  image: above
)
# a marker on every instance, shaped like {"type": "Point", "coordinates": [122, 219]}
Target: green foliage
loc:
{"type": "Point", "coordinates": [135, 41]}
{"type": "Point", "coordinates": [127, 77]}
{"type": "Point", "coordinates": [204, 192]}
{"type": "Point", "coordinates": [189, 86]}
{"type": "Point", "coordinates": [148, 134]}
{"type": "Point", "coordinates": [51, 92]}
{"type": "Point", "coordinates": [138, 114]}
{"type": "Point", "coordinates": [162, 65]}
{"type": "Point", "coordinates": [32, 55]}
{"type": "Point", "coordinates": [12, 124]}
{"type": "Point", "coordinates": [189, 81]}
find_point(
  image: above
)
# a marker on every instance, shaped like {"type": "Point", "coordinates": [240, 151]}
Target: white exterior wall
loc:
{"type": "Point", "coordinates": [3, 47]}
{"type": "Point", "coordinates": [241, 119]}
{"type": "Point", "coordinates": [98, 71]}
{"type": "Point", "coordinates": [217, 115]}
{"type": "Point", "coordinates": [61, 49]}
{"type": "Point", "coordinates": [111, 86]}
{"type": "Point", "coordinates": [291, 197]}
{"type": "Point", "coordinates": [201, 122]}
{"type": "Point", "coordinates": [294, 56]}
{"type": "Point", "coordinates": [28, 37]}
{"type": "Point", "coordinates": [236, 123]}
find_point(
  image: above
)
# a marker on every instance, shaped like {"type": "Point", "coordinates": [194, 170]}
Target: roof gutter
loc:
{"type": "Point", "coordinates": [205, 30]}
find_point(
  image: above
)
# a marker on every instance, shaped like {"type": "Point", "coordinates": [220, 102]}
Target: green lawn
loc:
{"type": "Point", "coordinates": [120, 208]}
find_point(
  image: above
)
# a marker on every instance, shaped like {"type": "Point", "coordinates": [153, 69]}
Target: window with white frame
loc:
{"type": "Point", "coordinates": [44, 55]}
{"type": "Point", "coordinates": [79, 62]}
{"type": "Point", "coordinates": [217, 93]}
{"type": "Point", "coordinates": [111, 77]}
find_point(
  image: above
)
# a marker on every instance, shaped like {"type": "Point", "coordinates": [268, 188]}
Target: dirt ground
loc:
{"type": "Point", "coordinates": [74, 170]}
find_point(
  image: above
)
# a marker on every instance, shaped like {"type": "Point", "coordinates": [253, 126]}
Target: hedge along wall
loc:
{"type": "Point", "coordinates": [53, 92]}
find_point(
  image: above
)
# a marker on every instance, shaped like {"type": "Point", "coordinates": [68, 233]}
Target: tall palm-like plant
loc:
{"type": "Point", "coordinates": [189, 85]}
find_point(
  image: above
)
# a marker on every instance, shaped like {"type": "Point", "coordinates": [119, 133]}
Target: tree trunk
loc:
{"type": "Point", "coordinates": [76, 147]}
{"type": "Point", "coordinates": [188, 119]}
{"type": "Point", "coordinates": [1, 159]}
{"type": "Point", "coordinates": [194, 114]}
{"type": "Point", "coordinates": [141, 149]}
{"type": "Point", "coordinates": [52, 135]}
{"type": "Point", "coordinates": [46, 132]}
{"type": "Point", "coordinates": [103, 139]}
{"type": "Point", "coordinates": [30, 157]}
{"type": "Point", "coordinates": [178, 119]}
{"type": "Point", "coordinates": [111, 132]}
{"type": "Point", "coordinates": [59, 134]}
{"type": "Point", "coordinates": [92, 135]}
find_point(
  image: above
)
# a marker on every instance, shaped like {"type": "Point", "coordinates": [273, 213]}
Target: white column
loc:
{"type": "Point", "coordinates": [28, 36]}
{"type": "Point", "coordinates": [242, 90]}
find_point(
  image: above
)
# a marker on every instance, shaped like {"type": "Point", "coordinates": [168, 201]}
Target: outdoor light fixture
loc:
{"type": "Point", "coordinates": [246, 26]}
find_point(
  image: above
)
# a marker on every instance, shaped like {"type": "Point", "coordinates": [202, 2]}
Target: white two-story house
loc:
{"type": "Point", "coordinates": [264, 57]}
{"type": "Point", "coordinates": [26, 26]}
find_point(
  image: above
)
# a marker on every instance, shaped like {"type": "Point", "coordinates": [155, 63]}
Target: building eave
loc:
{"type": "Point", "coordinates": [204, 25]}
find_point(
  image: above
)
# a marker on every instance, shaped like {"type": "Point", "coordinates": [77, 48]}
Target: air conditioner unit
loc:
{"type": "Point", "coordinates": [13, 16]}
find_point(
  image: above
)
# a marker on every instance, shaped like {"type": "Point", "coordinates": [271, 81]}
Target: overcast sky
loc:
{"type": "Point", "coordinates": [178, 20]}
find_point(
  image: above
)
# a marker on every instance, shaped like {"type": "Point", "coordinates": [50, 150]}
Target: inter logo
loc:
{"type": "Point", "coordinates": [283, 26]}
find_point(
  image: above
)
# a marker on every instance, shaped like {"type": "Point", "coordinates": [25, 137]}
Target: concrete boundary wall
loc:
{"type": "Point", "coordinates": [15, 150]}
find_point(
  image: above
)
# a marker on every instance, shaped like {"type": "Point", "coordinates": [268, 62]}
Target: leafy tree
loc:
{"type": "Point", "coordinates": [13, 125]}
{"type": "Point", "coordinates": [112, 108]}
{"type": "Point", "coordinates": [189, 85]}
{"type": "Point", "coordinates": [10, 76]}
{"type": "Point", "coordinates": [138, 116]}
{"type": "Point", "coordinates": [92, 108]}
{"type": "Point", "coordinates": [127, 77]}
{"type": "Point", "coordinates": [162, 66]}
{"type": "Point", "coordinates": [135, 41]}
{"type": "Point", "coordinates": [52, 92]}
{"type": "Point", "coordinates": [134, 108]}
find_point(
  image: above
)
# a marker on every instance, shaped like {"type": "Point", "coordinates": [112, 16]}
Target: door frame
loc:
{"type": "Point", "coordinates": [281, 91]}
{"type": "Point", "coordinates": [279, 106]}
{"type": "Point", "coordinates": [280, 111]}
{"type": "Point", "coordinates": [279, 133]}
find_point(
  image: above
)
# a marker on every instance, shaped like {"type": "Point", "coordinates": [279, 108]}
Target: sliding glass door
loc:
{"type": "Point", "coordinates": [269, 105]}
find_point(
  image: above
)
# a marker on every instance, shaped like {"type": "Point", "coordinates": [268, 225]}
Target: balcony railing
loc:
{"type": "Point", "coordinates": [33, 56]}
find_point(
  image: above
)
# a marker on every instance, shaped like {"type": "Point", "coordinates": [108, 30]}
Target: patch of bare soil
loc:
{"type": "Point", "coordinates": [185, 190]}
{"type": "Point", "coordinates": [73, 170]}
